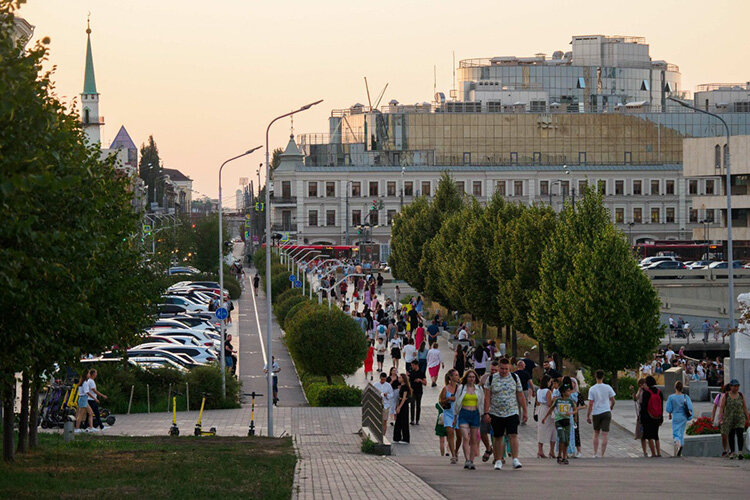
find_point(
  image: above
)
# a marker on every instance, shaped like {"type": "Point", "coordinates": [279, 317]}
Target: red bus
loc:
{"type": "Point", "coordinates": [680, 249]}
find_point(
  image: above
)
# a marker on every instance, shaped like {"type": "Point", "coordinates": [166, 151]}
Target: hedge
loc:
{"type": "Point", "coordinates": [322, 394]}
{"type": "Point", "coordinates": [282, 308]}
{"type": "Point", "coordinates": [295, 310]}
{"type": "Point", "coordinates": [286, 294]}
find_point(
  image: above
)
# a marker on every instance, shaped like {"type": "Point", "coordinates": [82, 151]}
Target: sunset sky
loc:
{"type": "Point", "coordinates": [205, 78]}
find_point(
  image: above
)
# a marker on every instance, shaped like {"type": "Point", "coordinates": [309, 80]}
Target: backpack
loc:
{"type": "Point", "coordinates": [654, 406]}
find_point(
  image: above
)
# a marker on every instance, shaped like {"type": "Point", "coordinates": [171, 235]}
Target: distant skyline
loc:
{"type": "Point", "coordinates": [205, 83]}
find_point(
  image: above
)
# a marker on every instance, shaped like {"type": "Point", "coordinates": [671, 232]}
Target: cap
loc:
{"type": "Point", "coordinates": [734, 381]}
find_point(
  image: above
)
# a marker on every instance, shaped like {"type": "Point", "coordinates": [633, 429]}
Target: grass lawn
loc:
{"type": "Point", "coordinates": [152, 467]}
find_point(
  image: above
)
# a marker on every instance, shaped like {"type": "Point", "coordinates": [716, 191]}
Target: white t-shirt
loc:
{"type": "Point", "coordinates": [462, 335]}
{"type": "Point", "coordinates": [385, 391]}
{"type": "Point", "coordinates": [541, 396]}
{"type": "Point", "coordinates": [381, 348]}
{"type": "Point", "coordinates": [600, 394]}
{"type": "Point", "coordinates": [646, 369]}
{"type": "Point", "coordinates": [700, 371]}
{"type": "Point", "coordinates": [669, 355]}
{"type": "Point", "coordinates": [83, 389]}
{"type": "Point", "coordinates": [275, 370]}
{"type": "Point", "coordinates": [91, 388]}
{"type": "Point", "coordinates": [396, 342]}
{"type": "Point", "coordinates": [410, 353]}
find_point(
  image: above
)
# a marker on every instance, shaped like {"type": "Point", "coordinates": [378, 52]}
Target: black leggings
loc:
{"type": "Point", "coordinates": [740, 433]}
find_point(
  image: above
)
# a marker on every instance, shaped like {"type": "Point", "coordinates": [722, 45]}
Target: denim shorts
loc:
{"type": "Point", "coordinates": [83, 401]}
{"type": "Point", "coordinates": [468, 417]}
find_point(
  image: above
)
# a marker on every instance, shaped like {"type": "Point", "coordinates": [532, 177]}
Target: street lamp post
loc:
{"type": "Point", "coordinates": [630, 234]}
{"type": "Point", "coordinates": [221, 276]}
{"type": "Point", "coordinates": [346, 215]}
{"type": "Point", "coordinates": [269, 359]}
{"type": "Point", "coordinates": [730, 253]}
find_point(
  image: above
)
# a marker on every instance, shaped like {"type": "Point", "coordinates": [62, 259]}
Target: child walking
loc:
{"type": "Point", "coordinates": [564, 407]}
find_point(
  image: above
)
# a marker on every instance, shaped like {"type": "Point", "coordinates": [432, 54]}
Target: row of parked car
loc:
{"type": "Point", "coordinates": [664, 262]}
{"type": "Point", "coordinates": [185, 335]}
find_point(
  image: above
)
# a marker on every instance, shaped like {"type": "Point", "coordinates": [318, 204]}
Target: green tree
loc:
{"type": "Point", "coordinates": [275, 160]}
{"type": "Point", "coordinates": [326, 342]}
{"type": "Point", "coordinates": [206, 233]}
{"type": "Point", "coordinates": [70, 254]}
{"type": "Point", "coordinates": [150, 169]}
{"type": "Point", "coordinates": [407, 238]}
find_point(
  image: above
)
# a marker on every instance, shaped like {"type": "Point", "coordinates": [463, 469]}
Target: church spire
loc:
{"type": "Point", "coordinates": [89, 81]}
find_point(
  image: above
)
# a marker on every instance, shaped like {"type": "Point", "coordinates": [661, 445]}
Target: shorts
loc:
{"type": "Point", "coordinates": [396, 353]}
{"type": "Point", "coordinates": [468, 417]}
{"type": "Point", "coordinates": [601, 421]}
{"type": "Point", "coordinates": [449, 420]}
{"type": "Point", "coordinates": [485, 428]}
{"type": "Point", "coordinates": [381, 358]}
{"type": "Point", "coordinates": [83, 401]}
{"type": "Point", "coordinates": [563, 433]}
{"type": "Point", "coordinates": [505, 425]}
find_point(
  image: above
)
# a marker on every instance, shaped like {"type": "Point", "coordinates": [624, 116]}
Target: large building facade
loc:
{"type": "Point", "coordinates": [531, 129]}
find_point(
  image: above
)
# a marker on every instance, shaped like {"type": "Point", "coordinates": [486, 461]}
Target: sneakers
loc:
{"type": "Point", "coordinates": [467, 464]}
{"type": "Point", "coordinates": [578, 455]}
{"type": "Point", "coordinates": [498, 465]}
{"type": "Point", "coordinates": [471, 466]}
{"type": "Point", "coordinates": [78, 431]}
{"type": "Point", "coordinates": [517, 463]}
{"type": "Point", "coordinates": [595, 455]}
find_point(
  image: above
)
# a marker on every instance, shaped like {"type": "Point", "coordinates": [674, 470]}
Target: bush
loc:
{"type": "Point", "coordinates": [294, 311]}
{"type": "Point", "coordinates": [279, 283]}
{"type": "Point", "coordinates": [368, 446]}
{"type": "Point", "coordinates": [702, 426]}
{"type": "Point", "coordinates": [624, 387]}
{"type": "Point", "coordinates": [282, 308]}
{"type": "Point", "coordinates": [286, 294]}
{"type": "Point", "coordinates": [208, 379]}
{"type": "Point", "coordinates": [338, 395]}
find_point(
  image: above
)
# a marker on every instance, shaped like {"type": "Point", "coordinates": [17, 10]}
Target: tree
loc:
{"type": "Point", "coordinates": [70, 256]}
{"type": "Point", "coordinates": [407, 238]}
{"type": "Point", "coordinates": [206, 234]}
{"type": "Point", "coordinates": [276, 158]}
{"type": "Point", "coordinates": [326, 342]}
{"type": "Point", "coordinates": [150, 169]}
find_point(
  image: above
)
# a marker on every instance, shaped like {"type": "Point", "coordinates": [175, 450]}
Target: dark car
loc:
{"type": "Point", "coordinates": [166, 310]}
{"type": "Point", "coordinates": [667, 264]}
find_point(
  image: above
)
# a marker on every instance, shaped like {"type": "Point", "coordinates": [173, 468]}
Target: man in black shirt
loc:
{"type": "Point", "coordinates": [417, 379]}
{"type": "Point", "coordinates": [524, 376]}
{"type": "Point", "coordinates": [413, 319]}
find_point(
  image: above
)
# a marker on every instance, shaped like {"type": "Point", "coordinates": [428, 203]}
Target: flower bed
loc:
{"type": "Point", "coordinates": [701, 427]}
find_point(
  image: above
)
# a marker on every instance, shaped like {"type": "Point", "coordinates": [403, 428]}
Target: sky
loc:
{"type": "Point", "coordinates": [206, 78]}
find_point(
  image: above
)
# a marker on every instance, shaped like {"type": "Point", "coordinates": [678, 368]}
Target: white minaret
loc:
{"type": "Point", "coordinates": [90, 118]}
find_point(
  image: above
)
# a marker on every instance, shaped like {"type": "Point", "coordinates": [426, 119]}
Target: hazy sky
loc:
{"type": "Point", "coordinates": [205, 78]}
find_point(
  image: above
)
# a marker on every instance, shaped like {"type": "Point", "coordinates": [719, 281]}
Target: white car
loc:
{"type": "Point", "coordinates": [173, 323]}
{"type": "Point", "coordinates": [185, 302]}
{"type": "Point", "coordinates": [199, 354]}
{"type": "Point", "coordinates": [652, 260]}
{"type": "Point", "coordinates": [202, 337]}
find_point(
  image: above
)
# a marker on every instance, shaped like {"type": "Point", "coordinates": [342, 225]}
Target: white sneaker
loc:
{"type": "Point", "coordinates": [78, 431]}
{"type": "Point", "coordinates": [498, 465]}
{"type": "Point", "coordinates": [596, 456]}
{"type": "Point", "coordinates": [517, 463]}
{"type": "Point", "coordinates": [578, 455]}
{"type": "Point", "coordinates": [94, 429]}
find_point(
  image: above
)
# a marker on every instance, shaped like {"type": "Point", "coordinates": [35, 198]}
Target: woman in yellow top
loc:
{"type": "Point", "coordinates": [469, 400]}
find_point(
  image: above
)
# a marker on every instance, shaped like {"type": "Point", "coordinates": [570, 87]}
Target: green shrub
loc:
{"type": "Point", "coordinates": [282, 308]}
{"type": "Point", "coordinates": [289, 292]}
{"type": "Point", "coordinates": [624, 386]}
{"type": "Point", "coordinates": [368, 446]}
{"type": "Point", "coordinates": [279, 283]}
{"type": "Point", "coordinates": [208, 379]}
{"type": "Point", "coordinates": [338, 395]}
{"type": "Point", "coordinates": [233, 286]}
{"type": "Point", "coordinates": [294, 311]}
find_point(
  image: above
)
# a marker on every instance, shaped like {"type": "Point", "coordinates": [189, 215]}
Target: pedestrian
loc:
{"type": "Point", "coordinates": [94, 396]}
{"type": "Point", "coordinates": [393, 379]}
{"type": "Point", "coordinates": [706, 330]}
{"type": "Point", "coordinates": [459, 360]}
{"type": "Point", "coordinates": [380, 283]}
{"type": "Point", "coordinates": [680, 410]}
{"type": "Point", "coordinates": [485, 428]}
{"type": "Point", "coordinates": [401, 427]}
{"type": "Point", "coordinates": [369, 359]}
{"type": "Point", "coordinates": [652, 415]}
{"type": "Point", "coordinates": [447, 399]}
{"type": "Point", "coordinates": [734, 417]}
{"type": "Point", "coordinates": [525, 377]}
{"type": "Point", "coordinates": [419, 334]}
{"type": "Point", "coordinates": [275, 369]}
{"type": "Point", "coordinates": [395, 346]}
{"type": "Point", "coordinates": [434, 363]}
{"type": "Point", "coordinates": [385, 389]}
{"type": "Point", "coordinates": [84, 410]}
{"type": "Point", "coordinates": [397, 296]}
{"type": "Point", "coordinates": [638, 424]}
{"type": "Point", "coordinates": [432, 332]}
{"type": "Point", "coordinates": [545, 431]}
{"type": "Point", "coordinates": [440, 430]}
{"type": "Point", "coordinates": [422, 358]}
{"type": "Point", "coordinates": [480, 359]}
{"type": "Point", "coordinates": [503, 399]}
{"type": "Point", "coordinates": [380, 350]}
{"type": "Point", "coordinates": [410, 354]}
{"type": "Point", "coordinates": [470, 399]}
{"type": "Point", "coordinates": [256, 283]}
{"type": "Point", "coordinates": [417, 381]}
{"type": "Point", "coordinates": [601, 402]}
{"type": "Point", "coordinates": [563, 408]}
{"type": "Point", "coordinates": [230, 355]}
{"type": "Point", "coordinates": [717, 422]}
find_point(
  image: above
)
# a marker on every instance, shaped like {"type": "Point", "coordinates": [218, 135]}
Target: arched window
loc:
{"type": "Point", "coordinates": [726, 153]}
{"type": "Point", "coordinates": [86, 117]}
{"type": "Point", "coordinates": [717, 156]}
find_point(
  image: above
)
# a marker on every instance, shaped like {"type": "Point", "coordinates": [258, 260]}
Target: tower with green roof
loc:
{"type": "Point", "coordinates": [90, 118]}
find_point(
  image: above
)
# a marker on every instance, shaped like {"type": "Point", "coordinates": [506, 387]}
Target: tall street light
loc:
{"type": "Point", "coordinates": [269, 359]}
{"type": "Point", "coordinates": [221, 276]}
{"type": "Point", "coordinates": [730, 253]}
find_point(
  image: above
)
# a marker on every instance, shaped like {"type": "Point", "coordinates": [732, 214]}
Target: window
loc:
{"type": "Point", "coordinates": [645, 85]}
{"type": "Point", "coordinates": [500, 188]}
{"type": "Point", "coordinates": [619, 187]}
{"type": "Point", "coordinates": [467, 158]}
{"type": "Point", "coordinates": [373, 188]}
{"type": "Point", "coordinates": [543, 188]}
{"type": "Point", "coordinates": [460, 187]}
{"type": "Point", "coordinates": [717, 156]}
{"type": "Point", "coordinates": [693, 215]}
{"type": "Point", "coordinates": [312, 218]}
{"type": "Point", "coordinates": [536, 157]}
{"type": "Point", "coordinates": [514, 158]}
{"type": "Point", "coordinates": [330, 217]}
{"type": "Point", "coordinates": [655, 216]}
{"type": "Point", "coordinates": [356, 217]}
{"type": "Point", "coordinates": [356, 189]}
{"type": "Point", "coordinates": [581, 187]}
{"type": "Point", "coordinates": [637, 187]}
{"type": "Point", "coordinates": [426, 188]}
{"type": "Point", "coordinates": [619, 215]}
{"type": "Point", "coordinates": [390, 215]}
{"type": "Point", "coordinates": [602, 185]}
{"type": "Point", "coordinates": [628, 158]}
{"type": "Point", "coordinates": [374, 217]}
{"type": "Point", "coordinates": [286, 189]}
{"type": "Point", "coordinates": [582, 157]}
{"type": "Point", "coordinates": [669, 187]}
{"type": "Point", "coordinates": [565, 188]}
{"type": "Point", "coordinates": [518, 188]}
{"type": "Point", "coordinates": [709, 186]}
{"type": "Point", "coordinates": [693, 187]}
{"type": "Point", "coordinates": [638, 215]}
{"type": "Point", "coordinates": [654, 187]}
{"type": "Point", "coordinates": [390, 188]}
{"type": "Point", "coordinates": [286, 219]}
{"type": "Point", "coordinates": [476, 188]}
{"type": "Point", "coordinates": [709, 215]}
{"type": "Point", "coordinates": [408, 188]}
{"type": "Point", "coordinates": [330, 189]}
{"type": "Point", "coordinates": [581, 83]}
{"type": "Point", "coordinates": [312, 189]}
{"type": "Point", "coordinates": [670, 214]}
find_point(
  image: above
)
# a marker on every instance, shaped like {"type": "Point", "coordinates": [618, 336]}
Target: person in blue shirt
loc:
{"type": "Point", "coordinates": [680, 409]}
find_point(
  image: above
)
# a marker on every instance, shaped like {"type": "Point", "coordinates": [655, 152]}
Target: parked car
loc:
{"type": "Point", "coordinates": [202, 337]}
{"type": "Point", "coordinates": [185, 302]}
{"type": "Point", "coordinates": [651, 260]}
{"type": "Point", "coordinates": [171, 339]}
{"type": "Point", "coordinates": [180, 359]}
{"type": "Point", "coordinates": [166, 310]}
{"type": "Point", "coordinates": [200, 355]}
{"type": "Point", "coordinates": [189, 270]}
{"type": "Point", "coordinates": [174, 323]}
{"type": "Point", "coordinates": [666, 264]}
{"type": "Point", "coordinates": [698, 264]}
{"type": "Point", "coordinates": [195, 322]}
{"type": "Point", "coordinates": [737, 264]}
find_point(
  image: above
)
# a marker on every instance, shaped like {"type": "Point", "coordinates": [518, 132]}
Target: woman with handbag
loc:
{"type": "Point", "coordinates": [447, 401]}
{"type": "Point", "coordinates": [680, 410]}
{"type": "Point", "coordinates": [470, 399]}
{"type": "Point", "coordinates": [401, 429]}
{"type": "Point", "coordinates": [734, 418]}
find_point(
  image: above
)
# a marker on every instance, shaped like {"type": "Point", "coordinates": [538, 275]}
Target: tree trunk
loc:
{"type": "Point", "coordinates": [23, 417]}
{"type": "Point", "coordinates": [614, 380]}
{"type": "Point", "coordinates": [507, 340]}
{"type": "Point", "coordinates": [328, 379]}
{"type": "Point", "coordinates": [34, 415]}
{"type": "Point", "coordinates": [484, 330]}
{"type": "Point", "coordinates": [541, 356]}
{"type": "Point", "coordinates": [8, 417]}
{"type": "Point", "coordinates": [515, 342]}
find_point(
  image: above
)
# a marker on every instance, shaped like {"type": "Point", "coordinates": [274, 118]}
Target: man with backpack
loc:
{"type": "Point", "coordinates": [503, 398]}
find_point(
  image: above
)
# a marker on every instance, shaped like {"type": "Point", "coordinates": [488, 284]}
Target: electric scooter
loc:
{"type": "Point", "coordinates": [251, 429]}
{"type": "Point", "coordinates": [198, 430]}
{"type": "Point", "coordinates": [174, 430]}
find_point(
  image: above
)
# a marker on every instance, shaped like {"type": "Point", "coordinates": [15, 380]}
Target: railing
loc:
{"type": "Point", "coordinates": [695, 276]}
{"type": "Point", "coordinates": [281, 200]}
{"type": "Point", "coordinates": [708, 87]}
